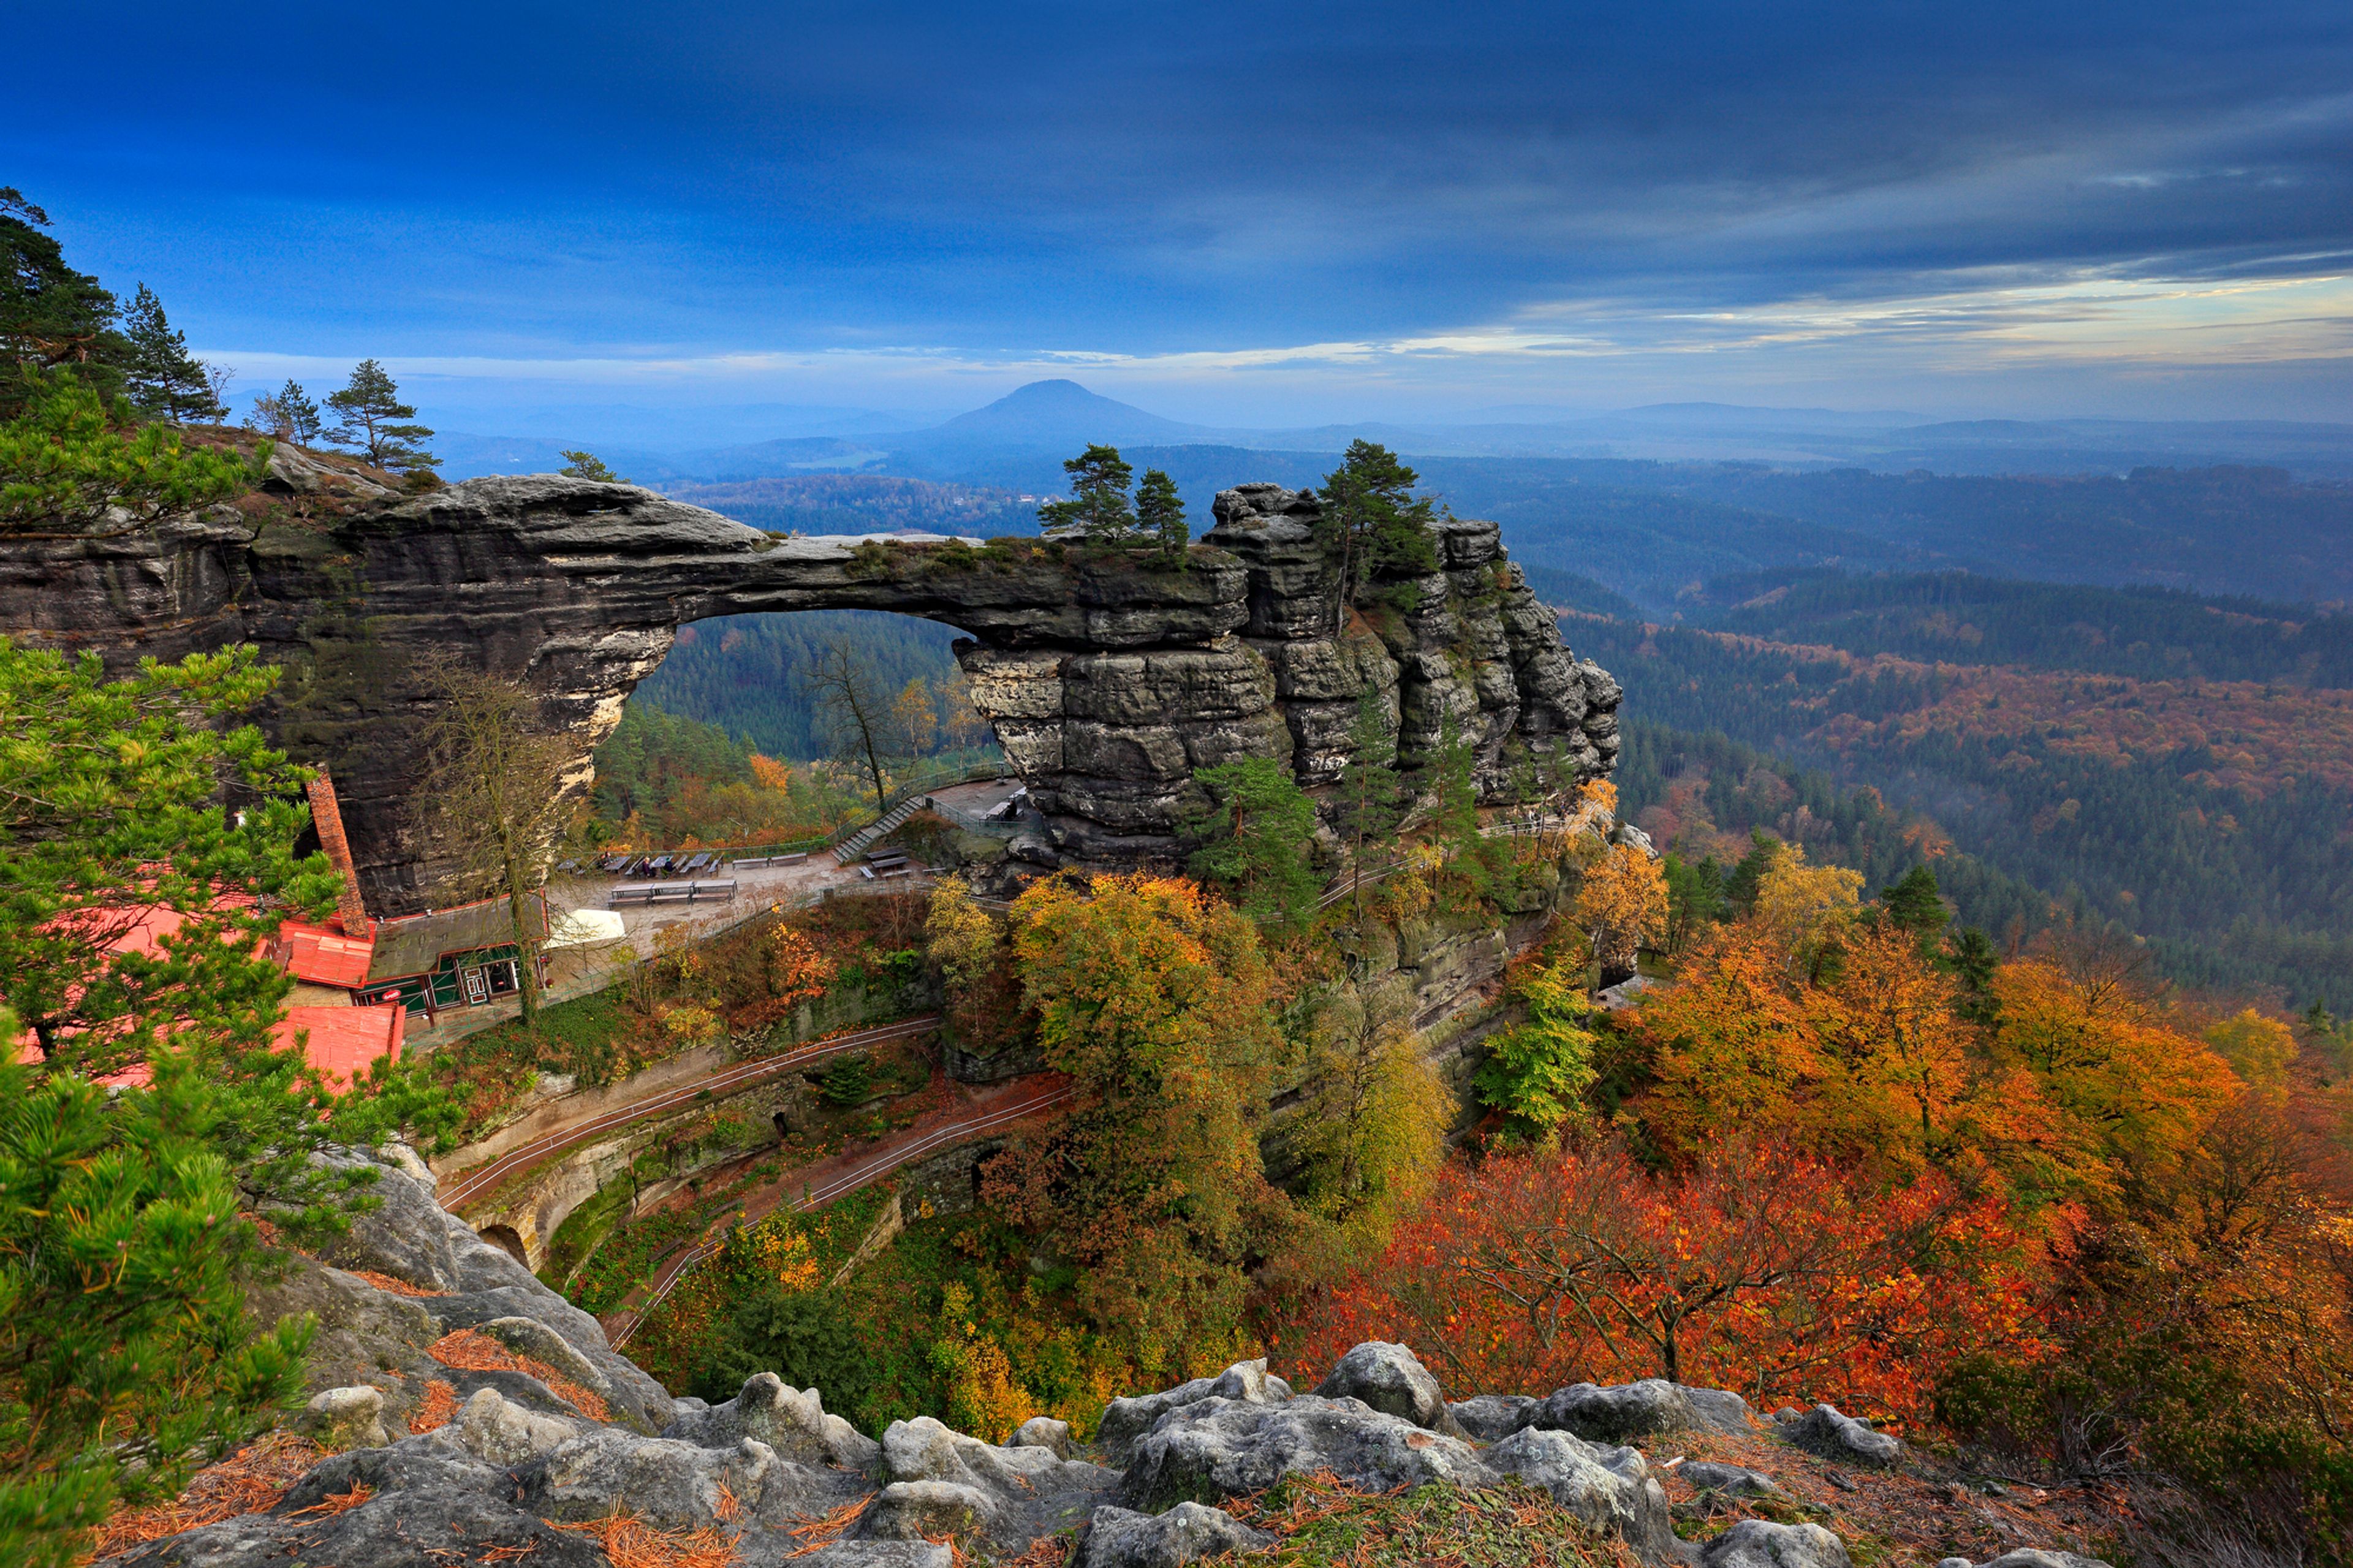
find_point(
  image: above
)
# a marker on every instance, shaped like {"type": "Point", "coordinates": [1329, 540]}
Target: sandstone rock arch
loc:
{"type": "Point", "coordinates": [1108, 678]}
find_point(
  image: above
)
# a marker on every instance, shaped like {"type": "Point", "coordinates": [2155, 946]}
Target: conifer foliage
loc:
{"type": "Point", "coordinates": [372, 419]}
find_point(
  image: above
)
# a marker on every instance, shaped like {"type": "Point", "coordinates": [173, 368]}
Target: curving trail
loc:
{"type": "Point", "coordinates": [455, 1194]}
{"type": "Point", "coordinates": [841, 1177]}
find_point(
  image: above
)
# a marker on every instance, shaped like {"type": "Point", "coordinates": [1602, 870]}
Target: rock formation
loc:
{"type": "Point", "coordinates": [573, 1433]}
{"type": "Point", "coordinates": [1108, 677]}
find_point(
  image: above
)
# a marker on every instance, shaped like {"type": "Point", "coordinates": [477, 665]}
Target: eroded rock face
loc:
{"type": "Point", "coordinates": [1628, 1410]}
{"type": "Point", "coordinates": [1109, 678]}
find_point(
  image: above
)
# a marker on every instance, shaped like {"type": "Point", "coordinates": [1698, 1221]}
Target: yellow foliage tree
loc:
{"type": "Point", "coordinates": [2129, 1095]}
{"type": "Point", "coordinates": [2257, 1049]}
{"type": "Point", "coordinates": [1621, 904]}
{"type": "Point", "coordinates": [1800, 904]}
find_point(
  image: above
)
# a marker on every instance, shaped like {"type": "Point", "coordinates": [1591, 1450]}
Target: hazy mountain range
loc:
{"type": "Point", "coordinates": [1053, 419]}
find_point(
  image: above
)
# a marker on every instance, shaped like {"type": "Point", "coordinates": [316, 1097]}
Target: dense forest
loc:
{"type": "Point", "coordinates": [741, 673]}
{"type": "Point", "coordinates": [863, 503]}
{"type": "Point", "coordinates": [2205, 816]}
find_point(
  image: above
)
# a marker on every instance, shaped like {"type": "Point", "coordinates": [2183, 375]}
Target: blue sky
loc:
{"type": "Point", "coordinates": [1257, 214]}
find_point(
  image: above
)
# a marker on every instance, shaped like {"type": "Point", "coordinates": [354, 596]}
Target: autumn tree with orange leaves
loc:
{"type": "Point", "coordinates": [1621, 905]}
{"type": "Point", "coordinates": [1758, 1268]}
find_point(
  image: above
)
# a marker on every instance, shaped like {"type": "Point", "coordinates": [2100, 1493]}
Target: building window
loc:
{"type": "Point", "coordinates": [503, 979]}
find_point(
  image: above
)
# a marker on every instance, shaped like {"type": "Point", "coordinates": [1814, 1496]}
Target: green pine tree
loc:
{"type": "Point", "coordinates": [1454, 778]}
{"type": "Point", "coordinates": [162, 379]}
{"type": "Point", "coordinates": [374, 420]}
{"type": "Point", "coordinates": [51, 316]}
{"type": "Point", "coordinates": [1098, 510]}
{"type": "Point", "coordinates": [1370, 790]}
{"type": "Point", "coordinates": [1373, 526]}
{"type": "Point", "coordinates": [67, 457]}
{"type": "Point", "coordinates": [1259, 839]}
{"type": "Point", "coordinates": [288, 414]}
{"type": "Point", "coordinates": [1160, 514]}
{"type": "Point", "coordinates": [1913, 902]}
{"type": "Point", "coordinates": [588, 466]}
{"type": "Point", "coordinates": [126, 1358]}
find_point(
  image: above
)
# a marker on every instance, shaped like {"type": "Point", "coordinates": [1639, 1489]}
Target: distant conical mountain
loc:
{"type": "Point", "coordinates": [1063, 414]}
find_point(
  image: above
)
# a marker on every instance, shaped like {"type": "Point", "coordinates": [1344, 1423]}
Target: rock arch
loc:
{"type": "Point", "coordinates": [1108, 678]}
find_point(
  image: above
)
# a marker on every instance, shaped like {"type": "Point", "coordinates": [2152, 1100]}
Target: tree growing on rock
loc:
{"type": "Point", "coordinates": [1160, 514]}
{"type": "Point", "coordinates": [371, 418]}
{"type": "Point", "coordinates": [126, 1357]}
{"type": "Point", "coordinates": [162, 379]}
{"type": "Point", "coordinates": [1098, 510]}
{"type": "Point", "coordinates": [288, 414]}
{"type": "Point", "coordinates": [1373, 525]}
{"type": "Point", "coordinates": [588, 466]}
{"type": "Point", "coordinates": [52, 317]}
{"type": "Point", "coordinates": [69, 458]}
{"type": "Point", "coordinates": [1258, 840]}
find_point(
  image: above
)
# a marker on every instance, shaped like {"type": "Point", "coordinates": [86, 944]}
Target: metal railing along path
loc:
{"type": "Point", "coordinates": [847, 1183]}
{"type": "Point", "coordinates": [742, 1073]}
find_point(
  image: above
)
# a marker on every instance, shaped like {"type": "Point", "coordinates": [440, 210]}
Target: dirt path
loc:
{"type": "Point", "coordinates": [560, 1134]}
{"type": "Point", "coordinates": [981, 1112]}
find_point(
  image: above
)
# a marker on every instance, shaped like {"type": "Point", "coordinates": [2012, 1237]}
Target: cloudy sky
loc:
{"type": "Point", "coordinates": [1256, 212]}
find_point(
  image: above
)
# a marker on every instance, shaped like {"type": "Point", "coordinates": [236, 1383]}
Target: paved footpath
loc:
{"type": "Point", "coordinates": [984, 1110]}
{"type": "Point", "coordinates": [556, 1135]}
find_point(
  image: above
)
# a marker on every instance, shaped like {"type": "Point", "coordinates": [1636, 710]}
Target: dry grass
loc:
{"type": "Point", "coordinates": [820, 1532]}
{"type": "Point", "coordinates": [631, 1543]}
{"type": "Point", "coordinates": [250, 1480]}
{"type": "Point", "coordinates": [440, 1407]}
{"type": "Point", "coordinates": [387, 1284]}
{"type": "Point", "coordinates": [469, 1351]}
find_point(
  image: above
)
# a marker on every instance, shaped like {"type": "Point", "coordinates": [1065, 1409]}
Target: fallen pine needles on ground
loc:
{"type": "Point", "coordinates": [250, 1480]}
{"type": "Point", "coordinates": [631, 1543]}
{"type": "Point", "coordinates": [440, 1407]}
{"type": "Point", "coordinates": [468, 1350]}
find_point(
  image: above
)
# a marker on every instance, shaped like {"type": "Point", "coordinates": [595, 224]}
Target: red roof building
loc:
{"type": "Point", "coordinates": [324, 956]}
{"type": "Point", "coordinates": [343, 1042]}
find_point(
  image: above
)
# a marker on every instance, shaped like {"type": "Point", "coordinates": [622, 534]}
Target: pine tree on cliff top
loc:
{"type": "Point", "coordinates": [50, 314]}
{"type": "Point", "coordinates": [374, 420]}
{"type": "Point", "coordinates": [1160, 514]}
{"type": "Point", "coordinates": [1373, 525]}
{"type": "Point", "coordinates": [163, 378]}
{"type": "Point", "coordinates": [1098, 510]}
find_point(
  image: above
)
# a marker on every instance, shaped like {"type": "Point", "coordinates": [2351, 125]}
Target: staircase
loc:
{"type": "Point", "coordinates": [851, 847]}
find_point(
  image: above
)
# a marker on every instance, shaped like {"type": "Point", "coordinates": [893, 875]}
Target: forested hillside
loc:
{"type": "Point", "coordinates": [862, 503]}
{"type": "Point", "coordinates": [2205, 815]}
{"type": "Point", "coordinates": [743, 673]}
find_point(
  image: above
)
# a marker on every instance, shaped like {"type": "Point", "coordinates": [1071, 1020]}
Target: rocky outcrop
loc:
{"type": "Point", "coordinates": [519, 1456]}
{"type": "Point", "coordinates": [1109, 677]}
{"type": "Point", "coordinates": [1826, 1431]}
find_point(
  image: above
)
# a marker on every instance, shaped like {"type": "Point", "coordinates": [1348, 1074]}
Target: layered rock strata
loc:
{"type": "Point", "coordinates": [1109, 677]}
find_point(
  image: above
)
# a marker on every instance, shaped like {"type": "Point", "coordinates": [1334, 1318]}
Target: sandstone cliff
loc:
{"type": "Point", "coordinates": [1109, 677]}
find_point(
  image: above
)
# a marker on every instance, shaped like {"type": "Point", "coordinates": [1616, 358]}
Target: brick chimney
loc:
{"type": "Point", "coordinates": [327, 816]}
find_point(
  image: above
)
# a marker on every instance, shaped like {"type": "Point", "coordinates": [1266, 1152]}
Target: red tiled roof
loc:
{"type": "Point", "coordinates": [325, 957]}
{"type": "Point", "coordinates": [342, 1041]}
